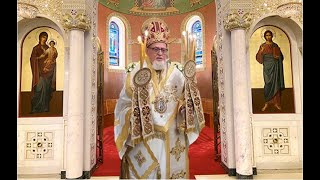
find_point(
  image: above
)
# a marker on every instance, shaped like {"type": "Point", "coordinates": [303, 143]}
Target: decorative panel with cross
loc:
{"type": "Point", "coordinates": [39, 145]}
{"type": "Point", "coordinates": [276, 141]}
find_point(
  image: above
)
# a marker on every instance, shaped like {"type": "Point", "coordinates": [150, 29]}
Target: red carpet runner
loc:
{"type": "Point", "coordinates": [201, 156]}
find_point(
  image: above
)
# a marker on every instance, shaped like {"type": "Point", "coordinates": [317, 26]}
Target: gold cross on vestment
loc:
{"type": "Point", "coordinates": [177, 149]}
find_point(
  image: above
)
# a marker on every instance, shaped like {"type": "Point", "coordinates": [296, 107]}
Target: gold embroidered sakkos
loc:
{"type": "Point", "coordinates": [157, 97]}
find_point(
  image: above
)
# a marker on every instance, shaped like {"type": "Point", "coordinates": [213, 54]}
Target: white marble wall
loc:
{"type": "Point", "coordinates": [40, 144]}
{"type": "Point", "coordinates": [277, 141]}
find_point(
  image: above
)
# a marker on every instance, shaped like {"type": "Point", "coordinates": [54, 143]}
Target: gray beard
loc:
{"type": "Point", "coordinates": [159, 65]}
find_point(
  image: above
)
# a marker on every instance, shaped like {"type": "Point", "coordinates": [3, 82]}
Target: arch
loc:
{"type": "Point", "coordinates": [25, 27]}
{"type": "Point", "coordinates": [290, 122]}
{"type": "Point", "coordinates": [196, 28]}
{"type": "Point", "coordinates": [124, 50]}
{"type": "Point", "coordinates": [194, 22]}
{"type": "Point", "coordinates": [114, 43]}
{"type": "Point", "coordinates": [275, 19]}
{"type": "Point", "coordinates": [257, 72]}
{"type": "Point", "coordinates": [294, 33]}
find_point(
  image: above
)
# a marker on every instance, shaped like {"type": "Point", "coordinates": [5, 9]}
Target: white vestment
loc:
{"type": "Point", "coordinates": [153, 147]}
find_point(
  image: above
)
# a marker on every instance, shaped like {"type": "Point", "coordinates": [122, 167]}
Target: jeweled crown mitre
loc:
{"type": "Point", "coordinates": [158, 31]}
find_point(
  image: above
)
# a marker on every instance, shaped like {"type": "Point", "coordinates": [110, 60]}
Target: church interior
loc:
{"type": "Point", "coordinates": [65, 124]}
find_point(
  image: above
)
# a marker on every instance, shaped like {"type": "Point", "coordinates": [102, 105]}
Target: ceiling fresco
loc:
{"type": "Point", "coordinates": [154, 7]}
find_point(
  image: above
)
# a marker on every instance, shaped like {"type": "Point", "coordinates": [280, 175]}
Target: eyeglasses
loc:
{"type": "Point", "coordinates": [157, 50]}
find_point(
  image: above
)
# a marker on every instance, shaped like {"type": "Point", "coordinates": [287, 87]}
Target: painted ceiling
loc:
{"type": "Point", "coordinates": [154, 7]}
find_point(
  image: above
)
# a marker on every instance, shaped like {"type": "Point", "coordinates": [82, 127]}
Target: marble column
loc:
{"type": "Point", "coordinates": [75, 118]}
{"type": "Point", "coordinates": [242, 123]}
{"type": "Point", "coordinates": [75, 105]}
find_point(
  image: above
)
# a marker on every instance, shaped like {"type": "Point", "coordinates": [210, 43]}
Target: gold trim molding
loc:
{"type": "Point", "coordinates": [290, 10]}
{"type": "Point", "coordinates": [33, 8]}
{"type": "Point", "coordinates": [27, 10]}
{"type": "Point", "coordinates": [284, 8]}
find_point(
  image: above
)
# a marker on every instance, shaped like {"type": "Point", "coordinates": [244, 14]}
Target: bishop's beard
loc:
{"type": "Point", "coordinates": [159, 65]}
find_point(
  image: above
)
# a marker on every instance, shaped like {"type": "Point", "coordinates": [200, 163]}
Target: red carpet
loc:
{"type": "Point", "coordinates": [201, 156]}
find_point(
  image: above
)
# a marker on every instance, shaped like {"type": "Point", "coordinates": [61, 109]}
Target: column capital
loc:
{"type": "Point", "coordinates": [235, 21]}
{"type": "Point", "coordinates": [80, 21]}
{"type": "Point", "coordinates": [237, 14]}
{"type": "Point", "coordinates": [76, 14]}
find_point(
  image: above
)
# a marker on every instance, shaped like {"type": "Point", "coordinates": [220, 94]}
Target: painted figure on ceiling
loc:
{"type": "Point", "coordinates": [154, 4]}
